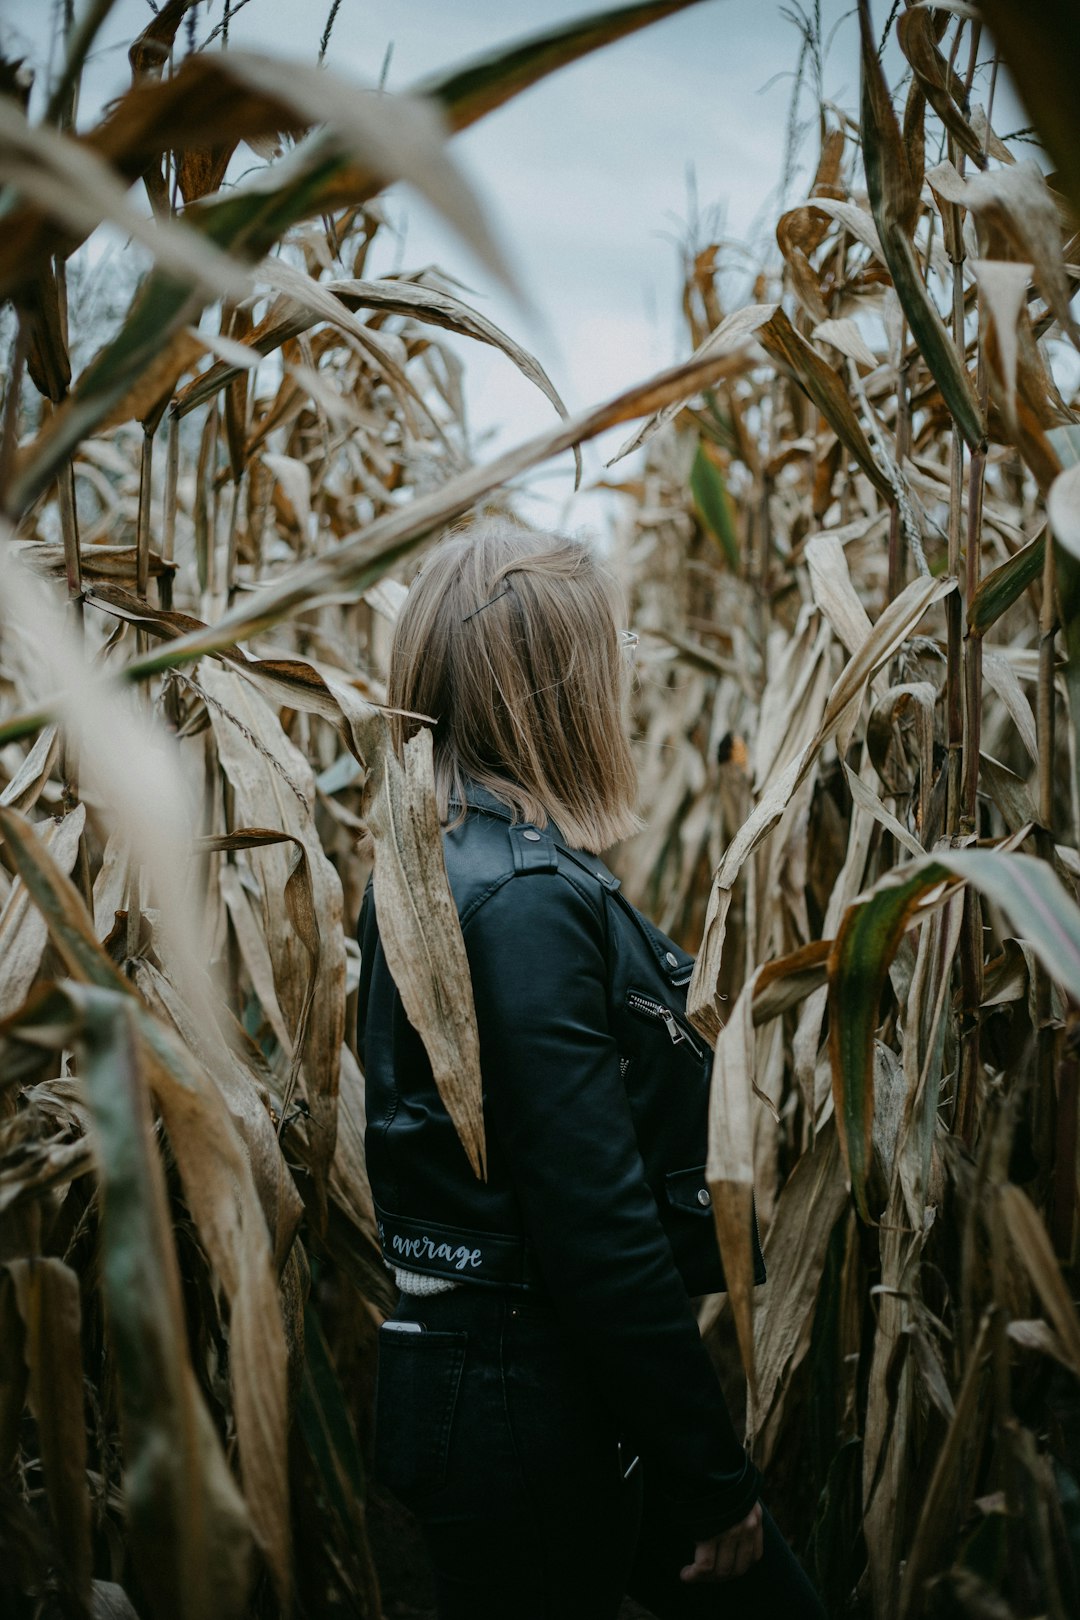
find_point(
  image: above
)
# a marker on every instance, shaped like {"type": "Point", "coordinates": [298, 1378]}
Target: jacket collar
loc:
{"type": "Point", "coordinates": [479, 798]}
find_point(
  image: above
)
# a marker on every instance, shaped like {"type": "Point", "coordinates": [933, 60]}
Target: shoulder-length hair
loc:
{"type": "Point", "coordinates": [508, 640]}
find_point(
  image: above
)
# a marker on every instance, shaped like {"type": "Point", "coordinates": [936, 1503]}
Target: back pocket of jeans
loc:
{"type": "Point", "coordinates": [416, 1391]}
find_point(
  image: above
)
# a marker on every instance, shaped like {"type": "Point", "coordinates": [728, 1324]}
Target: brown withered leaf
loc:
{"type": "Point", "coordinates": [273, 787]}
{"type": "Point", "coordinates": [188, 1524]}
{"type": "Point", "coordinates": [245, 1097]}
{"type": "Point", "coordinates": [893, 165]}
{"type": "Point", "coordinates": [421, 935]}
{"type": "Point", "coordinates": [1002, 298]}
{"type": "Point", "coordinates": [46, 1292]}
{"type": "Point", "coordinates": [100, 564]}
{"type": "Point", "coordinates": [810, 1203]}
{"type": "Point", "coordinates": [951, 1481]}
{"type": "Point", "coordinates": [1036, 1254]}
{"type": "Point", "coordinates": [59, 903]}
{"type": "Point", "coordinates": [23, 929]}
{"type": "Point", "coordinates": [149, 51]}
{"type": "Point", "coordinates": [826, 388]}
{"type": "Point", "coordinates": [289, 317]}
{"type": "Point", "coordinates": [219, 1188]}
{"type": "Point", "coordinates": [300, 908]}
{"type": "Point", "coordinates": [798, 233]}
{"type": "Point", "coordinates": [729, 1170]}
{"type": "Point", "coordinates": [24, 789]}
{"type": "Point", "coordinates": [254, 952]}
{"type": "Point", "coordinates": [942, 86]}
{"type": "Point", "coordinates": [888, 634]}
{"type": "Point", "coordinates": [1018, 219]}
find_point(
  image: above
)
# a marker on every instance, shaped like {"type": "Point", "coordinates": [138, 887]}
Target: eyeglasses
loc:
{"type": "Point", "coordinates": [628, 640]}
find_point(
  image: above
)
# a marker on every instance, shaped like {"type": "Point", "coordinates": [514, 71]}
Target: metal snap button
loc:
{"type": "Point", "coordinates": [671, 959]}
{"type": "Point", "coordinates": [533, 837]}
{"type": "Point", "coordinates": [703, 1197]}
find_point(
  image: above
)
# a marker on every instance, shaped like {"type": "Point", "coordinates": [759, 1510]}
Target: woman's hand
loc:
{"type": "Point", "coordinates": [729, 1554]}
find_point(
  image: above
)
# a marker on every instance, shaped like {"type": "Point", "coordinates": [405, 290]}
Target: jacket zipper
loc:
{"type": "Point", "coordinates": [656, 1009]}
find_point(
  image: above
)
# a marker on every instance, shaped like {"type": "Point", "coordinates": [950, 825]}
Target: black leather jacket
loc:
{"type": "Point", "coordinates": [595, 1100]}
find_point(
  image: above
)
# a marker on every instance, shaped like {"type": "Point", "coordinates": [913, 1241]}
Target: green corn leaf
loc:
{"type": "Point", "coordinates": [1005, 585]}
{"type": "Point", "coordinates": [714, 504]}
{"type": "Point", "coordinates": [862, 951]}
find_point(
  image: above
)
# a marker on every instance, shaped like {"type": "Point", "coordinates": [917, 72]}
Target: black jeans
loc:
{"type": "Point", "coordinates": [490, 1432]}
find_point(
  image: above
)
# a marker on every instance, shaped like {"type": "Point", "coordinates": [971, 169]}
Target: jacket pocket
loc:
{"type": "Point", "coordinates": [416, 1392]}
{"type": "Point", "coordinates": [688, 1190]}
{"type": "Point", "coordinates": [647, 1007]}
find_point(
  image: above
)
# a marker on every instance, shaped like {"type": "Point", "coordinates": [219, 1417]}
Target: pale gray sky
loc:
{"type": "Point", "coordinates": [584, 176]}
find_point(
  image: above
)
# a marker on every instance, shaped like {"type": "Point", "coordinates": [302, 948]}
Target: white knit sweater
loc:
{"type": "Point", "coordinates": [420, 1282]}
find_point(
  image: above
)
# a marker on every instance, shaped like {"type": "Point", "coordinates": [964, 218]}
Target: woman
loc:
{"type": "Point", "coordinates": [545, 1405]}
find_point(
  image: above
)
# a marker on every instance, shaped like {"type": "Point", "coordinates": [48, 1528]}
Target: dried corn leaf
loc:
{"type": "Point", "coordinates": [419, 302]}
{"type": "Point", "coordinates": [421, 935]}
{"type": "Point", "coordinates": [359, 562]}
{"type": "Point", "coordinates": [809, 1205]}
{"type": "Point", "coordinates": [894, 199]}
{"type": "Point", "coordinates": [729, 1170]}
{"type": "Point", "coordinates": [824, 385]}
{"type": "Point", "coordinates": [219, 1188]}
{"type": "Point", "coordinates": [189, 1531]}
{"type": "Point", "coordinates": [274, 788]}
{"type": "Point", "coordinates": [24, 789]}
{"type": "Point", "coordinates": [47, 1296]}
{"type": "Point", "coordinates": [950, 1485]}
{"type": "Point", "coordinates": [68, 183]}
{"type": "Point", "coordinates": [1017, 213]}
{"type": "Point", "coordinates": [888, 634]}
{"type": "Point", "coordinates": [1036, 1254]}
{"type": "Point", "coordinates": [942, 86]}
{"type": "Point", "coordinates": [23, 929]}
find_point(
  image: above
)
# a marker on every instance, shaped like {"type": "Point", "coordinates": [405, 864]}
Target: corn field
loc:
{"type": "Point", "coordinates": [849, 536]}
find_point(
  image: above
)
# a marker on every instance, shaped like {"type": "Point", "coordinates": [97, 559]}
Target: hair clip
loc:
{"type": "Point", "coordinates": [487, 604]}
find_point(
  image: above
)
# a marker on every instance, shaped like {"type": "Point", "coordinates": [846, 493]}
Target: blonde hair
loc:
{"type": "Point", "coordinates": [508, 640]}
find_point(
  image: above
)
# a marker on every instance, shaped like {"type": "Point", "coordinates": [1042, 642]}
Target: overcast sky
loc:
{"type": "Point", "coordinates": [585, 177]}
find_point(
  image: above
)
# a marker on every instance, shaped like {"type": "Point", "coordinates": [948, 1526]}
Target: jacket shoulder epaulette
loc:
{"type": "Point", "coordinates": [532, 848]}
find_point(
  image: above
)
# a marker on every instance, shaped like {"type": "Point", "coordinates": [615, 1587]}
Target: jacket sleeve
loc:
{"type": "Point", "coordinates": [557, 1105]}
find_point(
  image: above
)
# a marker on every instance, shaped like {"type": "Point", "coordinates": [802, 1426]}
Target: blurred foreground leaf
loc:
{"type": "Point", "coordinates": [1040, 45]}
